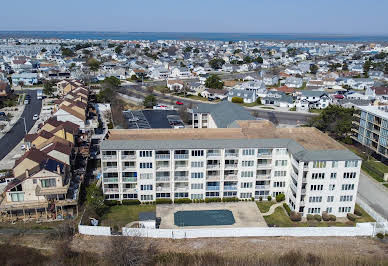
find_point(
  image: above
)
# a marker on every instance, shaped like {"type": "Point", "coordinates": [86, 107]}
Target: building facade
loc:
{"type": "Point", "coordinates": [244, 167]}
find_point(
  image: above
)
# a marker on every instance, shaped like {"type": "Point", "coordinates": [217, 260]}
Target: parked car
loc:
{"type": "Point", "coordinates": [23, 147]}
{"type": "Point", "coordinates": [27, 101]}
{"type": "Point", "coordinates": [35, 117]}
{"type": "Point", "coordinates": [179, 103]}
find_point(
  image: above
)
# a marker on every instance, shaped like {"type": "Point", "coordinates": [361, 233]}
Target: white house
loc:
{"type": "Point", "coordinates": [247, 96]}
{"type": "Point", "coordinates": [27, 79]}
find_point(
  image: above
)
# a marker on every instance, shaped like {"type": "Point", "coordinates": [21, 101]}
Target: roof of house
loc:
{"type": "Point", "coordinates": [224, 113]}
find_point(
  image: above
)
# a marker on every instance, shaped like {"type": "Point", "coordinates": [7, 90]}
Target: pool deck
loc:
{"type": "Point", "coordinates": [246, 214]}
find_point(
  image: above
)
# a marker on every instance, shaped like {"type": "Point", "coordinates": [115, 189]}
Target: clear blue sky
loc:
{"type": "Point", "coordinates": [254, 16]}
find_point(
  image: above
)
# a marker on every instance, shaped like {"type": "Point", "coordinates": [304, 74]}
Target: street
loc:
{"type": "Point", "coordinates": [16, 134]}
{"type": "Point", "coordinates": [374, 194]}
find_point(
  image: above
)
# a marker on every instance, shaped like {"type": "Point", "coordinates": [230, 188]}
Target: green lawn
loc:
{"type": "Point", "coordinates": [279, 218]}
{"type": "Point", "coordinates": [315, 111]}
{"type": "Point", "coordinates": [267, 107]}
{"type": "Point", "coordinates": [123, 214]}
{"type": "Point", "coordinates": [386, 185]}
{"type": "Point", "coordinates": [251, 104]}
{"type": "Point", "coordinates": [264, 205]}
{"type": "Point", "coordinates": [365, 217]}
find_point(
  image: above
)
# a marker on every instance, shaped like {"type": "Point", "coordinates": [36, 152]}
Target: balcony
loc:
{"type": "Point", "coordinates": [264, 155]}
{"type": "Point", "coordinates": [129, 179]}
{"type": "Point", "coordinates": [181, 189]}
{"type": "Point", "coordinates": [228, 188]}
{"type": "Point", "coordinates": [231, 154]}
{"type": "Point", "coordinates": [303, 191]}
{"type": "Point", "coordinates": [213, 177]}
{"type": "Point", "coordinates": [109, 157]}
{"type": "Point", "coordinates": [181, 178]}
{"type": "Point", "coordinates": [264, 166]}
{"type": "Point", "coordinates": [181, 156]}
{"type": "Point", "coordinates": [162, 156]}
{"type": "Point", "coordinates": [39, 191]}
{"type": "Point", "coordinates": [162, 179]}
{"type": "Point", "coordinates": [293, 187]}
{"type": "Point", "coordinates": [163, 189]}
{"type": "Point", "coordinates": [213, 154]}
{"type": "Point", "coordinates": [212, 188]}
{"type": "Point", "coordinates": [111, 179]}
{"type": "Point", "coordinates": [231, 166]}
{"type": "Point", "coordinates": [111, 190]}
{"type": "Point", "coordinates": [110, 169]}
{"type": "Point", "coordinates": [262, 186]}
{"type": "Point", "coordinates": [181, 167]}
{"type": "Point", "coordinates": [230, 177]}
{"type": "Point", "coordinates": [266, 176]}
{"type": "Point", "coordinates": [162, 167]}
{"type": "Point", "coordinates": [128, 157]}
{"type": "Point", "coordinates": [128, 168]}
{"type": "Point", "coordinates": [130, 190]}
{"type": "Point", "coordinates": [213, 166]}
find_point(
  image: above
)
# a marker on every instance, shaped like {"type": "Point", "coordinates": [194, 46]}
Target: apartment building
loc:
{"type": "Point", "coordinates": [255, 159]}
{"type": "Point", "coordinates": [370, 128]}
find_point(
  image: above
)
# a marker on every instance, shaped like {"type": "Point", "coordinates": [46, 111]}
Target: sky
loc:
{"type": "Point", "coordinates": [238, 16]}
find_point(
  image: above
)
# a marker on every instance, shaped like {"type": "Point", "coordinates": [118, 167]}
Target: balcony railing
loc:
{"type": "Point", "coordinates": [109, 190]}
{"type": "Point", "coordinates": [264, 165]}
{"type": "Point", "coordinates": [128, 157]}
{"type": "Point", "coordinates": [129, 189]}
{"type": "Point", "coordinates": [162, 156]}
{"type": "Point", "coordinates": [180, 167]}
{"type": "Point", "coordinates": [162, 178]}
{"type": "Point", "coordinates": [266, 176]}
{"type": "Point", "coordinates": [213, 177]}
{"type": "Point", "coordinates": [162, 167]}
{"type": "Point", "coordinates": [213, 154]}
{"type": "Point", "coordinates": [213, 166]}
{"type": "Point", "coordinates": [128, 167]}
{"type": "Point", "coordinates": [183, 189]}
{"type": "Point", "coordinates": [167, 189]}
{"type": "Point", "coordinates": [264, 155]}
{"type": "Point", "coordinates": [181, 156]}
{"type": "Point", "coordinates": [111, 179]}
{"type": "Point", "coordinates": [110, 169]}
{"type": "Point", "coordinates": [109, 157]}
{"type": "Point", "coordinates": [212, 188]}
{"type": "Point", "coordinates": [230, 188]}
{"type": "Point", "coordinates": [181, 178]}
{"type": "Point", "coordinates": [129, 179]}
{"type": "Point", "coordinates": [231, 166]}
{"type": "Point", "coordinates": [262, 186]}
{"type": "Point", "coordinates": [230, 177]}
{"type": "Point", "coordinates": [231, 154]}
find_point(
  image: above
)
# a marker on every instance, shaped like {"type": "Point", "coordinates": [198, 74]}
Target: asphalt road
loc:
{"type": "Point", "coordinates": [16, 134]}
{"type": "Point", "coordinates": [374, 194]}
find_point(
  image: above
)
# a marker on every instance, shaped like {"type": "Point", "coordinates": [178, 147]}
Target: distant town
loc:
{"type": "Point", "coordinates": [194, 139]}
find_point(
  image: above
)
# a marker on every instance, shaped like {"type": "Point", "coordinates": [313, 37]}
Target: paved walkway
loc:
{"type": "Point", "coordinates": [272, 208]}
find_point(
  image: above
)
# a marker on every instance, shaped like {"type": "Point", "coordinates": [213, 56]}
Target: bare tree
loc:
{"type": "Point", "coordinates": [367, 151]}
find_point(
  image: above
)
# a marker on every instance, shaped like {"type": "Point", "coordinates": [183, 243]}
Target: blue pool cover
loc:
{"type": "Point", "coordinates": [203, 218]}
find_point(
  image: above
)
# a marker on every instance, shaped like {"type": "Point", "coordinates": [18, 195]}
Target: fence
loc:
{"type": "Point", "coordinates": [94, 230]}
{"type": "Point", "coordinates": [381, 223]}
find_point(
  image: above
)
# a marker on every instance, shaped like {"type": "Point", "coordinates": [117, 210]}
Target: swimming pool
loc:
{"type": "Point", "coordinates": [203, 218]}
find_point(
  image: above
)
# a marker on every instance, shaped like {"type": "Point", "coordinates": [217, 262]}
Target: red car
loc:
{"type": "Point", "coordinates": [179, 103]}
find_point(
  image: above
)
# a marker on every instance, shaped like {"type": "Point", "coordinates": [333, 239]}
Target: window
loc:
{"type": "Point", "coordinates": [145, 187]}
{"type": "Point", "coordinates": [196, 164]}
{"type": "Point", "coordinates": [230, 193]}
{"type": "Point", "coordinates": [146, 175]}
{"type": "Point", "coordinates": [146, 197]}
{"type": "Point", "coordinates": [319, 164]}
{"type": "Point", "coordinates": [316, 187]}
{"type": "Point", "coordinates": [245, 195]}
{"type": "Point", "coordinates": [129, 196]}
{"type": "Point", "coordinates": [145, 165]}
{"type": "Point", "coordinates": [163, 195]}
{"type": "Point", "coordinates": [196, 175]}
{"type": "Point", "coordinates": [331, 187]}
{"type": "Point", "coordinates": [48, 182]}
{"type": "Point", "coordinates": [279, 184]}
{"type": "Point", "coordinates": [196, 186]}
{"type": "Point", "coordinates": [344, 209]}
{"type": "Point", "coordinates": [314, 210]}
{"type": "Point", "coordinates": [34, 181]}
{"type": "Point", "coordinates": [318, 176]}
{"type": "Point", "coordinates": [281, 163]}
{"type": "Point", "coordinates": [315, 199]}
{"type": "Point", "coordinates": [351, 163]}
{"type": "Point", "coordinates": [329, 209]}
{"type": "Point", "coordinates": [196, 196]}
{"type": "Point", "coordinates": [197, 153]}
{"type": "Point", "coordinates": [346, 198]}
{"type": "Point", "coordinates": [126, 174]}
{"type": "Point", "coordinates": [348, 187]}
{"type": "Point", "coordinates": [330, 198]}
{"type": "Point", "coordinates": [17, 197]}
{"type": "Point", "coordinates": [108, 175]}
{"type": "Point", "coordinates": [212, 194]}
{"type": "Point", "coordinates": [145, 153]}
{"type": "Point", "coordinates": [264, 152]}
{"type": "Point", "coordinates": [246, 185]}
{"type": "Point", "coordinates": [350, 175]}
{"type": "Point", "coordinates": [112, 196]}
{"type": "Point", "coordinates": [246, 173]}
{"type": "Point", "coordinates": [333, 175]}
{"type": "Point", "coordinates": [247, 163]}
{"type": "Point", "coordinates": [248, 152]}
{"type": "Point", "coordinates": [281, 151]}
{"type": "Point", "coordinates": [181, 195]}
{"type": "Point", "coordinates": [334, 164]}
{"type": "Point", "coordinates": [280, 173]}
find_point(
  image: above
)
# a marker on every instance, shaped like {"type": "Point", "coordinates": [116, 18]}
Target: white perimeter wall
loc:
{"type": "Point", "coordinates": [94, 230]}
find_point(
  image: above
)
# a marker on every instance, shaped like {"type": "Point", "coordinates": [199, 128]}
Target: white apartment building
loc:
{"type": "Point", "coordinates": [253, 160]}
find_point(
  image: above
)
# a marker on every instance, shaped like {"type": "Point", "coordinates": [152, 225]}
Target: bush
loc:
{"type": "Point", "coordinates": [310, 217]}
{"type": "Point", "coordinates": [237, 100]}
{"type": "Point", "coordinates": [332, 217]}
{"type": "Point", "coordinates": [163, 201]}
{"type": "Point", "coordinates": [111, 202]}
{"type": "Point", "coordinates": [280, 197]}
{"type": "Point", "coordinates": [131, 202]}
{"type": "Point", "coordinates": [380, 235]}
{"type": "Point", "coordinates": [351, 217]}
{"type": "Point", "coordinates": [232, 199]}
{"type": "Point", "coordinates": [269, 198]}
{"type": "Point", "coordinates": [260, 198]}
{"type": "Point", "coordinates": [325, 216]}
{"type": "Point", "coordinates": [295, 217]}
{"type": "Point", "coordinates": [184, 200]}
{"type": "Point", "coordinates": [208, 200]}
{"type": "Point", "coordinates": [287, 208]}
{"type": "Point", "coordinates": [357, 212]}
{"type": "Point", "coordinates": [317, 217]}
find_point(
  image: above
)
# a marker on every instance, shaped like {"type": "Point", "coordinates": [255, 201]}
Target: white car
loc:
{"type": "Point", "coordinates": [23, 147]}
{"type": "Point", "coordinates": [35, 117]}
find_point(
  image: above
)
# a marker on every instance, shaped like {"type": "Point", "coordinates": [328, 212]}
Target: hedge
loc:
{"type": "Point", "coordinates": [184, 200]}
{"type": "Point", "coordinates": [237, 100]}
{"type": "Point", "coordinates": [111, 202]}
{"type": "Point", "coordinates": [351, 217]}
{"type": "Point", "coordinates": [317, 217]}
{"type": "Point", "coordinates": [310, 217]}
{"type": "Point", "coordinates": [163, 201]}
{"type": "Point", "coordinates": [333, 218]}
{"type": "Point", "coordinates": [287, 208]}
{"type": "Point", "coordinates": [227, 199]}
{"type": "Point", "coordinates": [269, 198]}
{"type": "Point", "coordinates": [357, 212]}
{"type": "Point", "coordinates": [131, 202]}
{"type": "Point", "coordinates": [280, 197]}
{"type": "Point", "coordinates": [208, 200]}
{"type": "Point", "coordinates": [295, 217]}
{"type": "Point", "coordinates": [325, 216]}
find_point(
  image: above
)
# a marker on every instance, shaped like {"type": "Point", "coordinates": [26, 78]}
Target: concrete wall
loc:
{"type": "Point", "coordinates": [94, 230]}
{"type": "Point", "coordinates": [361, 229]}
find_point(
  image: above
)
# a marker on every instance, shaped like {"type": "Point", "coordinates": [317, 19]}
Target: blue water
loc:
{"type": "Point", "coordinates": [154, 36]}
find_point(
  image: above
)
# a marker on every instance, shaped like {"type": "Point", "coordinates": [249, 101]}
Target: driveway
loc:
{"type": "Point", "coordinates": [374, 194]}
{"type": "Point", "coordinates": [16, 134]}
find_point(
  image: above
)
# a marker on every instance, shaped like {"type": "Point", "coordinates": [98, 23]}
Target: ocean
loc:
{"type": "Point", "coordinates": [154, 36]}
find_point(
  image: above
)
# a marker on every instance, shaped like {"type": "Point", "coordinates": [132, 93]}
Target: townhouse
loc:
{"type": "Point", "coordinates": [253, 159]}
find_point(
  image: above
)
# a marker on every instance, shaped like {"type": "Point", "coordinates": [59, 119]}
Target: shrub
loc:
{"type": "Point", "coordinates": [208, 200]}
{"type": "Point", "coordinates": [111, 202]}
{"type": "Point", "coordinates": [351, 217]}
{"type": "Point", "coordinates": [260, 198]}
{"type": "Point", "coordinates": [163, 201]}
{"type": "Point", "coordinates": [269, 198]}
{"type": "Point", "coordinates": [280, 197]}
{"type": "Point", "coordinates": [325, 216]}
{"type": "Point", "coordinates": [287, 208]}
{"type": "Point", "coordinates": [317, 217]}
{"type": "Point", "coordinates": [232, 199]}
{"type": "Point", "coordinates": [184, 200]}
{"type": "Point", "coordinates": [252, 199]}
{"type": "Point", "coordinates": [295, 217]}
{"type": "Point", "coordinates": [380, 235]}
{"type": "Point", "coordinates": [332, 217]}
{"type": "Point", "coordinates": [310, 217]}
{"type": "Point", "coordinates": [131, 202]}
{"type": "Point", "coordinates": [237, 100]}
{"type": "Point", "coordinates": [357, 212]}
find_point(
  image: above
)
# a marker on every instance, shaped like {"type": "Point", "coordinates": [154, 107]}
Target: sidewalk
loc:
{"type": "Point", "coordinates": [16, 115]}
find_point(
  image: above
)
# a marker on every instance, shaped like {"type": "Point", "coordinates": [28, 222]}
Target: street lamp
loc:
{"type": "Point", "coordinates": [25, 127]}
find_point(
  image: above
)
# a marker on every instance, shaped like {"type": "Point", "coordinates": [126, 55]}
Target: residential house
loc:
{"type": "Point", "coordinates": [293, 82]}
{"type": "Point", "coordinates": [28, 79]}
{"type": "Point", "coordinates": [314, 100]}
{"type": "Point", "coordinates": [247, 96]}
{"type": "Point", "coordinates": [277, 98]}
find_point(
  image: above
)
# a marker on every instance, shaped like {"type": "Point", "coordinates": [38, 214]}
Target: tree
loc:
{"type": "Point", "coordinates": [196, 51]}
{"type": "Point", "coordinates": [188, 49]}
{"type": "Point", "coordinates": [66, 52]}
{"type": "Point", "coordinates": [134, 77]}
{"type": "Point", "coordinates": [259, 59]}
{"type": "Point", "coordinates": [258, 101]}
{"type": "Point", "coordinates": [255, 50]}
{"type": "Point", "coordinates": [95, 199]}
{"type": "Point", "coordinates": [48, 88]}
{"type": "Point", "coordinates": [93, 64]}
{"type": "Point", "coordinates": [345, 67]}
{"type": "Point", "coordinates": [313, 69]}
{"type": "Point", "coordinates": [214, 82]}
{"type": "Point", "coordinates": [216, 63]}
{"type": "Point", "coordinates": [112, 82]}
{"type": "Point", "coordinates": [366, 67]}
{"type": "Point", "coordinates": [21, 84]}
{"type": "Point", "coordinates": [237, 51]}
{"type": "Point", "coordinates": [43, 50]}
{"type": "Point", "coordinates": [247, 59]}
{"type": "Point", "coordinates": [119, 49]}
{"type": "Point", "coordinates": [149, 101]}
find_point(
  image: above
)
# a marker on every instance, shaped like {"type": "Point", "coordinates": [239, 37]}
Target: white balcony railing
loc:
{"type": "Point", "coordinates": [109, 157]}
{"type": "Point", "coordinates": [162, 156]}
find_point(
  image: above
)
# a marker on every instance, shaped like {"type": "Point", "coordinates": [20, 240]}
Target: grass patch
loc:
{"type": "Point", "coordinates": [250, 104]}
{"type": "Point", "coordinates": [121, 215]}
{"type": "Point", "coordinates": [279, 218]}
{"type": "Point", "coordinates": [365, 217]}
{"type": "Point", "coordinates": [386, 185]}
{"type": "Point", "coordinates": [315, 111]}
{"type": "Point", "coordinates": [264, 205]}
{"type": "Point", "coordinates": [161, 88]}
{"type": "Point", "coordinates": [267, 107]}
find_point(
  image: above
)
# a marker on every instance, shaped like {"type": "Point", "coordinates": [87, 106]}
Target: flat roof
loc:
{"type": "Point", "coordinates": [375, 110]}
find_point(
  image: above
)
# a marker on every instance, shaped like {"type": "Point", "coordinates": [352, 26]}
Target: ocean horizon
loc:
{"type": "Point", "coordinates": [155, 36]}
